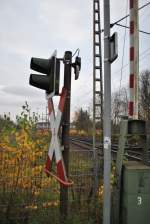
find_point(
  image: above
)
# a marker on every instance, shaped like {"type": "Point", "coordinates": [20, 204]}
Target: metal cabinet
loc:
{"type": "Point", "coordinates": [135, 198]}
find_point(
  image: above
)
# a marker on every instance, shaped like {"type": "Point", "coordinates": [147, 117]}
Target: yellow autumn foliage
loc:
{"type": "Point", "coordinates": [23, 152]}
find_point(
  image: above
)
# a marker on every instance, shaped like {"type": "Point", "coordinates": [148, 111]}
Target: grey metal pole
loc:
{"type": "Point", "coordinates": [107, 115]}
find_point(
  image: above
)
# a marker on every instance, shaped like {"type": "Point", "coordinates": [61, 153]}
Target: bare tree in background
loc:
{"type": "Point", "coordinates": [144, 95]}
{"type": "Point", "coordinates": [119, 105]}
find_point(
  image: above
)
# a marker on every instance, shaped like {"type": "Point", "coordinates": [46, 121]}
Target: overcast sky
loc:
{"type": "Point", "coordinates": [36, 28]}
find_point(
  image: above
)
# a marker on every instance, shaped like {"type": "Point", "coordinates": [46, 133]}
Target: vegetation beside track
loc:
{"type": "Point", "coordinates": [27, 195]}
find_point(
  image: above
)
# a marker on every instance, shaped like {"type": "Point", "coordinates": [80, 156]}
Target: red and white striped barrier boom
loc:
{"type": "Point", "coordinates": [54, 147]}
{"type": "Point", "coordinates": [134, 60]}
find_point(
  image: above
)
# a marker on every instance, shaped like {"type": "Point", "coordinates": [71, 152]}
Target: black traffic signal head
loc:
{"type": "Point", "coordinates": [50, 81]}
{"type": "Point", "coordinates": [40, 65]}
{"type": "Point", "coordinates": [39, 81]}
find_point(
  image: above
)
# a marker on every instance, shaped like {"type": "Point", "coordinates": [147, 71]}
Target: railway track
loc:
{"type": "Point", "coordinates": [131, 152]}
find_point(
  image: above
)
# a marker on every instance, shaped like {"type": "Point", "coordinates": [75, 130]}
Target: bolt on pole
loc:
{"type": "Point", "coordinates": [107, 115]}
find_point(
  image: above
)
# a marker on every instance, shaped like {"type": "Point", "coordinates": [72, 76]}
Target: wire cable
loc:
{"type": "Point", "coordinates": [142, 56]}
{"type": "Point", "coordinates": [118, 24]}
{"type": "Point", "coordinates": [115, 23]}
{"type": "Point", "coordinates": [143, 6]}
{"type": "Point", "coordinates": [77, 50]}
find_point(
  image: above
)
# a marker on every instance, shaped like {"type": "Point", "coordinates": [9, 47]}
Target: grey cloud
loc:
{"type": "Point", "coordinates": [12, 102]}
{"type": "Point", "coordinates": [22, 91]}
{"type": "Point", "coordinates": [35, 28]}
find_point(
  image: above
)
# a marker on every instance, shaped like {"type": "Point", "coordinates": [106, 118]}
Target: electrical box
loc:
{"type": "Point", "coordinates": [135, 200]}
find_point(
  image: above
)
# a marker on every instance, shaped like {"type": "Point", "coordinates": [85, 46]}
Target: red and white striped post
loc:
{"type": "Point", "coordinates": [54, 147]}
{"type": "Point", "coordinates": [134, 60]}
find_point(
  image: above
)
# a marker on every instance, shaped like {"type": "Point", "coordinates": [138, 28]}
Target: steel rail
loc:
{"type": "Point", "coordinates": [131, 154]}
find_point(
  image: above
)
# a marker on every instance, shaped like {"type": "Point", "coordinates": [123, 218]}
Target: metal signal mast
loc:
{"type": "Point", "coordinates": [97, 71]}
